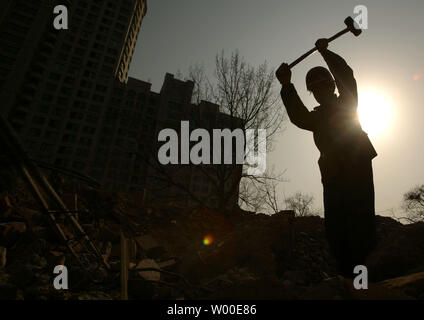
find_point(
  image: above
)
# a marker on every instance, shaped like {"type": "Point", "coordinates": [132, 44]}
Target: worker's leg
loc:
{"type": "Point", "coordinates": [335, 224]}
{"type": "Point", "coordinates": [360, 216]}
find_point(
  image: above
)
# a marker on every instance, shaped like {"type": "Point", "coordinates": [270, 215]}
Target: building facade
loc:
{"type": "Point", "coordinates": [68, 96]}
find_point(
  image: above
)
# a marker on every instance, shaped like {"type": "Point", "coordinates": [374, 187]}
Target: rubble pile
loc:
{"type": "Point", "coordinates": [180, 253]}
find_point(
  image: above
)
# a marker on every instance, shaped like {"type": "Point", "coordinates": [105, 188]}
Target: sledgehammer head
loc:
{"type": "Point", "coordinates": [350, 23]}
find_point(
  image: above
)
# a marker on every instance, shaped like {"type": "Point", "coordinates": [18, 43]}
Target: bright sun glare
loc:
{"type": "Point", "coordinates": [375, 112]}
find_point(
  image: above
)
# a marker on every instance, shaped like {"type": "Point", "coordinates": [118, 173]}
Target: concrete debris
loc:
{"type": "Point", "coordinates": [148, 275]}
{"type": "Point", "coordinates": [167, 263]}
{"type": "Point", "coordinates": [196, 253]}
{"type": "Point", "coordinates": [411, 285]}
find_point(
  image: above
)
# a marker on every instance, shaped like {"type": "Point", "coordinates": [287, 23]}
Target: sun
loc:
{"type": "Point", "coordinates": [375, 112]}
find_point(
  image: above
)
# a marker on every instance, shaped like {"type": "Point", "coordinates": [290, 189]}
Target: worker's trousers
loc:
{"type": "Point", "coordinates": [350, 215]}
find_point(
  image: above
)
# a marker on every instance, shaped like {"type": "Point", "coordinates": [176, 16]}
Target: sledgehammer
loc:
{"type": "Point", "coordinates": [350, 28]}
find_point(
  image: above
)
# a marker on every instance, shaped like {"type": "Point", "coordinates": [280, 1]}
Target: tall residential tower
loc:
{"type": "Point", "coordinates": [69, 98]}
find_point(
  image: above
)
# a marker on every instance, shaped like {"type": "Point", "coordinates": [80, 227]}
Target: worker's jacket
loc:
{"type": "Point", "coordinates": [336, 128]}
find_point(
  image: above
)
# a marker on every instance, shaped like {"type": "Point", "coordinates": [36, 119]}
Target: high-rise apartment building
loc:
{"type": "Point", "coordinates": [68, 96]}
{"type": "Point", "coordinates": [56, 83]}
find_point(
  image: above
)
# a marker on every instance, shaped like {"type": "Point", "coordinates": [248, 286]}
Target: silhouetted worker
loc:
{"type": "Point", "coordinates": [346, 156]}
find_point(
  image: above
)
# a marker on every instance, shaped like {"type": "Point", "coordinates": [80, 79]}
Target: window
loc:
{"type": "Point", "coordinates": [38, 120]}
{"type": "Point", "coordinates": [76, 115]}
{"type": "Point", "coordinates": [68, 138]}
{"type": "Point", "coordinates": [4, 72]}
{"type": "Point", "coordinates": [109, 60]}
{"type": "Point", "coordinates": [95, 55]}
{"type": "Point", "coordinates": [65, 150]}
{"type": "Point", "coordinates": [47, 97]}
{"type": "Point", "coordinates": [89, 26]}
{"type": "Point", "coordinates": [89, 130]}
{"type": "Point", "coordinates": [80, 52]}
{"type": "Point", "coordinates": [55, 124]}
{"type": "Point", "coordinates": [109, 13]}
{"type": "Point", "coordinates": [91, 118]}
{"type": "Point", "coordinates": [92, 64]}
{"type": "Point", "coordinates": [54, 76]}
{"type": "Point", "coordinates": [98, 46]}
{"type": "Point", "coordinates": [69, 80]}
{"type": "Point", "coordinates": [95, 107]}
{"type": "Point", "coordinates": [65, 90]}
{"type": "Point", "coordinates": [86, 84]}
{"type": "Point", "coordinates": [66, 47]}
{"type": "Point", "coordinates": [43, 108]}
{"type": "Point", "coordinates": [101, 88]}
{"type": "Point", "coordinates": [16, 27]}
{"type": "Point", "coordinates": [98, 98]}
{"type": "Point", "coordinates": [86, 141]}
{"type": "Point", "coordinates": [152, 101]}
{"type": "Point", "coordinates": [72, 127]}
{"type": "Point", "coordinates": [79, 12]}
{"type": "Point", "coordinates": [80, 104]}
{"type": "Point", "coordinates": [82, 153]}
{"type": "Point", "coordinates": [59, 112]}
{"type": "Point", "coordinates": [51, 135]}
{"type": "Point", "coordinates": [35, 132]}
{"type": "Point", "coordinates": [83, 4]}
{"type": "Point", "coordinates": [63, 100]}
{"type": "Point", "coordinates": [92, 17]}
{"type": "Point", "coordinates": [9, 49]}
{"type": "Point", "coordinates": [107, 21]}
{"type": "Point", "coordinates": [51, 86]}
{"type": "Point", "coordinates": [112, 51]}
{"type": "Point", "coordinates": [102, 151]}
{"type": "Point", "coordinates": [83, 94]}
{"type": "Point", "coordinates": [46, 148]}
{"type": "Point", "coordinates": [76, 60]}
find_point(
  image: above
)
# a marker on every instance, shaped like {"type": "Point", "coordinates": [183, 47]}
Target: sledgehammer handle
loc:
{"type": "Point", "coordinates": [302, 57]}
{"type": "Point", "coordinates": [307, 54]}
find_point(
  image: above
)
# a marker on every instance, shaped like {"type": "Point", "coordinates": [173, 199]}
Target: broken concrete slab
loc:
{"type": "Point", "coordinates": [167, 263]}
{"type": "Point", "coordinates": [412, 284]}
{"type": "Point", "coordinates": [148, 275]}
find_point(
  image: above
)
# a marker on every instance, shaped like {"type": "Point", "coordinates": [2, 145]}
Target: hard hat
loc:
{"type": "Point", "coordinates": [317, 75]}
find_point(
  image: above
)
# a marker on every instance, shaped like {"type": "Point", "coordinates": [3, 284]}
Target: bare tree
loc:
{"type": "Point", "coordinates": [301, 204]}
{"type": "Point", "coordinates": [203, 88]}
{"type": "Point", "coordinates": [246, 94]}
{"type": "Point", "coordinates": [260, 194]}
{"type": "Point", "coordinates": [241, 90]}
{"type": "Point", "coordinates": [413, 204]}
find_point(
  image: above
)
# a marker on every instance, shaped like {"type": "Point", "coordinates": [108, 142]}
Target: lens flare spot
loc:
{"type": "Point", "coordinates": [207, 240]}
{"type": "Point", "coordinates": [418, 76]}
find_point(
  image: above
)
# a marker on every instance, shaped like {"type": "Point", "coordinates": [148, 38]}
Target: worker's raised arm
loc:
{"type": "Point", "coordinates": [343, 74]}
{"type": "Point", "coordinates": [299, 115]}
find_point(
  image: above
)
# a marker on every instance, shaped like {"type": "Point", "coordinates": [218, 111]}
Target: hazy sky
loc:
{"type": "Point", "coordinates": [387, 60]}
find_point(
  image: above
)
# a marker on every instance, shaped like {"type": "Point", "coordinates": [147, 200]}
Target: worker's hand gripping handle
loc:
{"type": "Point", "coordinates": [350, 27]}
